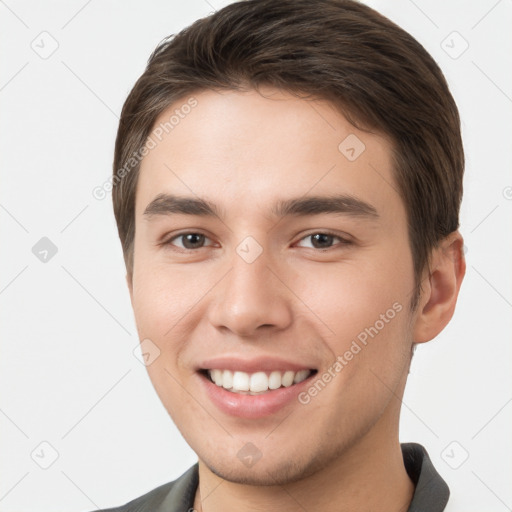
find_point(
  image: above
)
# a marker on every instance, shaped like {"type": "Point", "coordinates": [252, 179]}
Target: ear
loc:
{"type": "Point", "coordinates": [440, 288]}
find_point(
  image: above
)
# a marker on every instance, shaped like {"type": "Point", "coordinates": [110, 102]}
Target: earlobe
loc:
{"type": "Point", "coordinates": [441, 289]}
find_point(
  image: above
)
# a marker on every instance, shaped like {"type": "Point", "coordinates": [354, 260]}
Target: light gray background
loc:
{"type": "Point", "coordinates": [68, 372]}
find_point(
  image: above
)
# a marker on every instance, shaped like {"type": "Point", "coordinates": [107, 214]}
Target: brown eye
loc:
{"type": "Point", "coordinates": [189, 241]}
{"type": "Point", "coordinates": [193, 240]}
{"type": "Point", "coordinates": [322, 240]}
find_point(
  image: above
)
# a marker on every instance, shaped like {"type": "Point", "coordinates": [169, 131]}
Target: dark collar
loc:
{"type": "Point", "coordinates": [431, 491]}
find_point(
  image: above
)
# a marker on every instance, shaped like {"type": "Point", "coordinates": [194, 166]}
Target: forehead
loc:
{"type": "Point", "coordinates": [248, 148]}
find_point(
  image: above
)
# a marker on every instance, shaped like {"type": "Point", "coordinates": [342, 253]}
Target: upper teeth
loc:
{"type": "Point", "coordinates": [258, 382]}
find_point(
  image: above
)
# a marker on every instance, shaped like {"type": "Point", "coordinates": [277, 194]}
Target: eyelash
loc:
{"type": "Point", "coordinates": [342, 241]}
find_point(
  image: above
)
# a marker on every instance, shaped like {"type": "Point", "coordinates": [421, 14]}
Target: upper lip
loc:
{"type": "Point", "coordinates": [265, 364]}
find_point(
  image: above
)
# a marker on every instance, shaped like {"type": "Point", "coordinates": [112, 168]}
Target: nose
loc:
{"type": "Point", "coordinates": [251, 300]}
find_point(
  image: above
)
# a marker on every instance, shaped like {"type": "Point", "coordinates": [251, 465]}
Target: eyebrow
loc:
{"type": "Point", "coordinates": [168, 204]}
{"type": "Point", "coordinates": [315, 205]}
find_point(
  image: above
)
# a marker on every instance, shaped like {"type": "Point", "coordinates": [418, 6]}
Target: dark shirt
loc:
{"type": "Point", "coordinates": [430, 495]}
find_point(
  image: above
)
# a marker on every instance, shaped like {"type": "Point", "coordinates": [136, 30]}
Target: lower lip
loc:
{"type": "Point", "coordinates": [252, 406]}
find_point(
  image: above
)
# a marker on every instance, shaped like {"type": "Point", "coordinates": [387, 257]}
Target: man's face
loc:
{"type": "Point", "coordinates": [267, 286]}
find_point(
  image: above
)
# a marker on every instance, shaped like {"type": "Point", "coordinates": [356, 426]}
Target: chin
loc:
{"type": "Point", "coordinates": [265, 475]}
{"type": "Point", "coordinates": [269, 472]}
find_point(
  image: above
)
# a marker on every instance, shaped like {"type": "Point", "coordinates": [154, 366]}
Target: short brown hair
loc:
{"type": "Point", "coordinates": [342, 51]}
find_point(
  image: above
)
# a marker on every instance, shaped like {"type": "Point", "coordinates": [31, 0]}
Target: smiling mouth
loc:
{"type": "Point", "coordinates": [257, 383]}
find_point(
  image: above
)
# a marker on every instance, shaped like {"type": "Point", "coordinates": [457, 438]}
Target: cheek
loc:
{"type": "Point", "coordinates": [366, 318]}
{"type": "Point", "coordinates": [362, 311]}
{"type": "Point", "coordinates": [349, 298]}
{"type": "Point", "coordinates": [163, 297]}
{"type": "Point", "coordinates": [168, 305]}
{"type": "Point", "coordinates": [162, 301]}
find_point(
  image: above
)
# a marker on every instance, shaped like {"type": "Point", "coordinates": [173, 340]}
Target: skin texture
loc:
{"type": "Point", "coordinates": [244, 151]}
